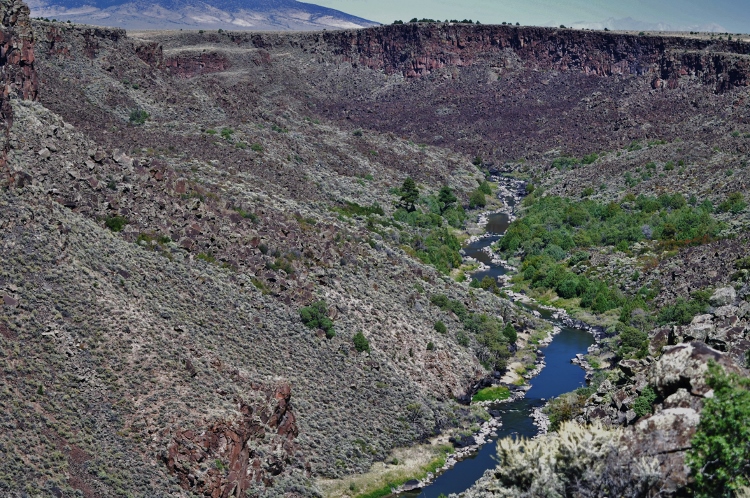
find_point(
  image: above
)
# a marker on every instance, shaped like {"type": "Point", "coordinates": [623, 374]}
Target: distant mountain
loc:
{"type": "Point", "coordinates": [261, 15]}
{"type": "Point", "coordinates": [630, 24]}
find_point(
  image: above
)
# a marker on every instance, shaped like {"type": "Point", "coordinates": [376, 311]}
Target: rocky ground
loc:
{"type": "Point", "coordinates": [171, 200]}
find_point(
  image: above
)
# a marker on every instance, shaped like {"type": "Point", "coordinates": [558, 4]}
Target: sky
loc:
{"type": "Point", "coordinates": [685, 15]}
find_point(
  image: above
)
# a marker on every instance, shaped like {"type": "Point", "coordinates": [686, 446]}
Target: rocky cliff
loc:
{"type": "Point", "coordinates": [419, 49]}
{"type": "Point", "coordinates": [18, 78]}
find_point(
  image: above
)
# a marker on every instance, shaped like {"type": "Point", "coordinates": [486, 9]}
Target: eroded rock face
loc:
{"type": "Point", "coordinates": [225, 458]}
{"type": "Point", "coordinates": [685, 366]}
{"type": "Point", "coordinates": [18, 77]}
{"type": "Point", "coordinates": [666, 435]}
{"type": "Point", "coordinates": [418, 49]}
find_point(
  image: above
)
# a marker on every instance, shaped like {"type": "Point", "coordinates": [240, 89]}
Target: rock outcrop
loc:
{"type": "Point", "coordinates": [228, 457]}
{"type": "Point", "coordinates": [418, 49]}
{"type": "Point", "coordinates": [678, 379]}
{"type": "Point", "coordinates": [18, 77]}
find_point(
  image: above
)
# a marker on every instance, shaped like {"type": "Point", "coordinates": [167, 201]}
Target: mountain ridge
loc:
{"type": "Point", "coordinates": [260, 15]}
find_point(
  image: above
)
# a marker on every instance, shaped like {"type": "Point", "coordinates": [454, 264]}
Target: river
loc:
{"type": "Point", "coordinates": [558, 376]}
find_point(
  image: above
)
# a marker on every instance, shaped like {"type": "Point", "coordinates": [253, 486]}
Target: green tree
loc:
{"type": "Point", "coordinates": [477, 199]}
{"type": "Point", "coordinates": [720, 454]}
{"type": "Point", "coordinates": [361, 343]}
{"type": "Point", "coordinates": [510, 333]}
{"type": "Point", "coordinates": [315, 316]}
{"type": "Point", "coordinates": [409, 194]}
{"type": "Point", "coordinates": [446, 198]}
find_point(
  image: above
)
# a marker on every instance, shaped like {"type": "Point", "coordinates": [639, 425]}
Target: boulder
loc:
{"type": "Point", "coordinates": [723, 296]}
{"type": "Point", "coordinates": [412, 485]}
{"type": "Point", "coordinates": [700, 328]}
{"type": "Point", "coordinates": [666, 436]}
{"type": "Point", "coordinates": [685, 366]}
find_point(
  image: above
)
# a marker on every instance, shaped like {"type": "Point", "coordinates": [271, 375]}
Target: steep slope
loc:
{"type": "Point", "coordinates": [170, 355]}
{"type": "Point", "coordinates": [263, 15]}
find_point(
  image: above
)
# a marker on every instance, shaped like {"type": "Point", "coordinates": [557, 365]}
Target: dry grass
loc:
{"type": "Point", "coordinates": [411, 464]}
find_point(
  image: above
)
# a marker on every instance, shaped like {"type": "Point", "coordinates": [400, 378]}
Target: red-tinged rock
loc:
{"type": "Point", "coordinates": [10, 302]}
{"type": "Point", "coordinates": [180, 186]}
{"type": "Point", "coordinates": [234, 444]}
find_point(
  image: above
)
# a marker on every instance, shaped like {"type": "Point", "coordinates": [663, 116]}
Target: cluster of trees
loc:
{"type": "Point", "coordinates": [556, 235]}
{"type": "Point", "coordinates": [432, 216]}
{"type": "Point", "coordinates": [490, 332]}
{"type": "Point", "coordinates": [559, 227]}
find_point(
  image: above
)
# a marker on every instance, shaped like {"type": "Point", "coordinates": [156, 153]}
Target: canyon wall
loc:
{"type": "Point", "coordinates": [18, 76]}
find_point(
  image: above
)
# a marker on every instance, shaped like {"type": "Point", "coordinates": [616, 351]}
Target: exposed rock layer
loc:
{"type": "Point", "coordinates": [18, 78]}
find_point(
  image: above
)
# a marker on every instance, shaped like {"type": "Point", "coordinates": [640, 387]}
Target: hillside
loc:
{"type": "Point", "coordinates": [171, 202]}
{"type": "Point", "coordinates": [256, 15]}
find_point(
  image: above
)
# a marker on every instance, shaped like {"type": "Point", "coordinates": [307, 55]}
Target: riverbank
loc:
{"type": "Point", "coordinates": [426, 469]}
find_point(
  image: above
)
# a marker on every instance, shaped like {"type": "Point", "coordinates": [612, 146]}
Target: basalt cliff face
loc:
{"type": "Point", "coordinates": [419, 49]}
{"type": "Point", "coordinates": [18, 78]}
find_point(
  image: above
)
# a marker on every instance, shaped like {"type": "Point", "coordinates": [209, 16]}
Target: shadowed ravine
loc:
{"type": "Point", "coordinates": [558, 376]}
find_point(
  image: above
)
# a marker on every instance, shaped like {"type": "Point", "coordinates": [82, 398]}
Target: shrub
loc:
{"type": "Point", "coordinates": [315, 316]}
{"type": "Point", "coordinates": [720, 454]}
{"type": "Point", "coordinates": [485, 187]}
{"type": "Point", "coordinates": [138, 116]}
{"type": "Point", "coordinates": [682, 311]}
{"type": "Point", "coordinates": [445, 304]}
{"type": "Point", "coordinates": [510, 333]}
{"type": "Point", "coordinates": [734, 204]}
{"type": "Point", "coordinates": [563, 163]}
{"type": "Point", "coordinates": [644, 402]}
{"type": "Point", "coordinates": [566, 406]}
{"type": "Point", "coordinates": [430, 346]}
{"type": "Point", "coordinates": [590, 159]}
{"type": "Point", "coordinates": [633, 343]}
{"type": "Point", "coordinates": [354, 209]}
{"type": "Point", "coordinates": [576, 461]}
{"type": "Point", "coordinates": [116, 223]}
{"type": "Point", "coordinates": [440, 327]}
{"type": "Point", "coordinates": [361, 343]}
{"type": "Point", "coordinates": [462, 339]}
{"type": "Point", "coordinates": [476, 199]}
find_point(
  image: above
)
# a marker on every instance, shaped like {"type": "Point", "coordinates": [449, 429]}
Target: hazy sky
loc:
{"type": "Point", "coordinates": [731, 15]}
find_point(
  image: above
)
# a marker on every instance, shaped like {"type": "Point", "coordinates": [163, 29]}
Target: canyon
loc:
{"type": "Point", "coordinates": [171, 200]}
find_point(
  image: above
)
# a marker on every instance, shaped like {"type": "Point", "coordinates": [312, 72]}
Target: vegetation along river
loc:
{"type": "Point", "coordinates": [558, 376]}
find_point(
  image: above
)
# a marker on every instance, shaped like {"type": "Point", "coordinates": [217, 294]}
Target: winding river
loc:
{"type": "Point", "coordinates": [558, 376]}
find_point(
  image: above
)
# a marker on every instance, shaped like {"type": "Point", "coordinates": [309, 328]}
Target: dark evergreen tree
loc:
{"type": "Point", "coordinates": [409, 194]}
{"type": "Point", "coordinates": [446, 198]}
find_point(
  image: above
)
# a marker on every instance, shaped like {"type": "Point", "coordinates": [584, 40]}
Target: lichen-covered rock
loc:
{"type": "Point", "coordinates": [723, 296]}
{"type": "Point", "coordinates": [685, 366]}
{"type": "Point", "coordinates": [666, 436]}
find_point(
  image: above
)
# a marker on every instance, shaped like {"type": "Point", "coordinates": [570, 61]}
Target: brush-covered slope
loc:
{"type": "Point", "coordinates": [153, 275]}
